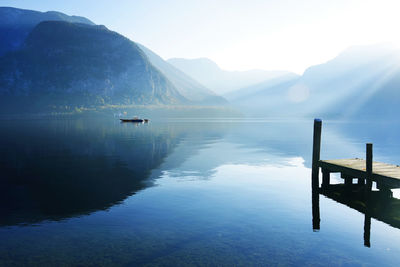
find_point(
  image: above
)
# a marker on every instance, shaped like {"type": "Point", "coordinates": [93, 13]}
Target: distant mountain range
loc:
{"type": "Point", "coordinates": [51, 60]}
{"type": "Point", "coordinates": [209, 74]}
{"type": "Point", "coordinates": [187, 86]}
{"type": "Point", "coordinates": [361, 82]}
{"type": "Point", "coordinates": [269, 89]}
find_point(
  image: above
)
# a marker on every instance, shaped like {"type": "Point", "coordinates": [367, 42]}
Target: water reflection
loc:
{"type": "Point", "coordinates": [316, 219]}
{"type": "Point", "coordinates": [58, 169]}
{"type": "Point", "coordinates": [378, 206]}
{"type": "Point", "coordinates": [224, 194]}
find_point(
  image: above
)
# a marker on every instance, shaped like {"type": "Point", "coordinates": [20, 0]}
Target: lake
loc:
{"type": "Point", "coordinates": [198, 192]}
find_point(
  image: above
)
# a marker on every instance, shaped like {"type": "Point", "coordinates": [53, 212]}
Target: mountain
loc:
{"type": "Point", "coordinates": [16, 24]}
{"type": "Point", "coordinates": [63, 63]}
{"type": "Point", "coordinates": [209, 74]}
{"type": "Point", "coordinates": [361, 82]}
{"type": "Point", "coordinates": [265, 99]}
{"type": "Point", "coordinates": [187, 86]}
{"type": "Point", "coordinates": [245, 94]}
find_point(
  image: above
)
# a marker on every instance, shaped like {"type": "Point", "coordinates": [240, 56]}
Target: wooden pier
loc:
{"type": "Point", "coordinates": [374, 204]}
{"type": "Point", "coordinates": [386, 176]}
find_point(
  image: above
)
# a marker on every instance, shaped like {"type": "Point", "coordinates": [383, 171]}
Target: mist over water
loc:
{"type": "Point", "coordinates": [180, 192]}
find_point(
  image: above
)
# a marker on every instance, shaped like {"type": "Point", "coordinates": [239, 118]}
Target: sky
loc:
{"type": "Point", "coordinates": [241, 35]}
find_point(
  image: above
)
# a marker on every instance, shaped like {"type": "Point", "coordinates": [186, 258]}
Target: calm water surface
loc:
{"type": "Point", "coordinates": [91, 192]}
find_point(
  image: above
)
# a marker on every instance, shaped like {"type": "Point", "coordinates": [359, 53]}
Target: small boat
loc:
{"type": "Point", "coordinates": [135, 119]}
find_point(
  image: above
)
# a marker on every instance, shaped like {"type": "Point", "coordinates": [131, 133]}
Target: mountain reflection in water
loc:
{"type": "Point", "coordinates": [51, 170]}
{"type": "Point", "coordinates": [206, 192]}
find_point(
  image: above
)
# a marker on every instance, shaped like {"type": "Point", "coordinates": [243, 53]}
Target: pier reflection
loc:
{"type": "Point", "coordinates": [378, 206]}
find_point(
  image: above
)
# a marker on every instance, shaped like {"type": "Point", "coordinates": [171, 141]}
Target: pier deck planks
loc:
{"type": "Point", "coordinates": [381, 172]}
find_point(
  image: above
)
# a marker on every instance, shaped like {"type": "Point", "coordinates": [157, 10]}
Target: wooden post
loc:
{"type": "Point", "coordinates": [316, 153]}
{"type": "Point", "coordinates": [367, 227]}
{"type": "Point", "coordinates": [315, 210]}
{"type": "Point", "coordinates": [386, 191]}
{"type": "Point", "coordinates": [348, 181]}
{"type": "Point", "coordinates": [368, 168]}
{"type": "Point", "coordinates": [325, 178]}
{"type": "Point", "coordinates": [368, 189]}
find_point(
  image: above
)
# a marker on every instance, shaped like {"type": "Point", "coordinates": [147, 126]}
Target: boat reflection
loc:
{"type": "Point", "coordinates": [378, 206]}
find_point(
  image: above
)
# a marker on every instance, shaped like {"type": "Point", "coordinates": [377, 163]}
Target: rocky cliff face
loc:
{"type": "Point", "coordinates": [81, 64]}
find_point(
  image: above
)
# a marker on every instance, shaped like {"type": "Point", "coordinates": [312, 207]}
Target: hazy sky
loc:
{"type": "Point", "coordinates": [239, 35]}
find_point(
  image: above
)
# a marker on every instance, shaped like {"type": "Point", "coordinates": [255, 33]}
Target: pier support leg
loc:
{"type": "Point", "coordinates": [315, 210]}
{"type": "Point", "coordinates": [368, 167]}
{"type": "Point", "coordinates": [348, 180]}
{"type": "Point", "coordinates": [326, 178]}
{"type": "Point", "coordinates": [368, 189]}
{"type": "Point", "coordinates": [316, 153]}
{"type": "Point", "coordinates": [367, 227]}
{"type": "Point", "coordinates": [386, 192]}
